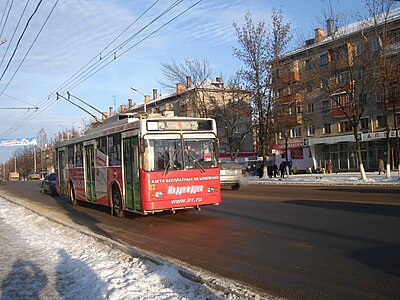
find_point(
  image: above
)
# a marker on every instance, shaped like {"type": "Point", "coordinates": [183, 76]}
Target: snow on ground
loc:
{"type": "Point", "coordinates": [351, 178]}
{"type": "Point", "coordinates": [41, 259]}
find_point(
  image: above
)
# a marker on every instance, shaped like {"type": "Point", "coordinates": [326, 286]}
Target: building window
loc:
{"type": "Point", "coordinates": [376, 98]}
{"type": "Point", "coordinates": [341, 100]}
{"type": "Point", "coordinates": [237, 130]}
{"type": "Point", "coordinates": [308, 64]}
{"type": "Point", "coordinates": [381, 121]}
{"type": "Point", "coordinates": [323, 59]}
{"type": "Point", "coordinates": [344, 126]}
{"type": "Point", "coordinates": [326, 105]}
{"type": "Point", "coordinates": [310, 130]}
{"type": "Point", "coordinates": [295, 132]}
{"type": "Point", "coordinates": [327, 128]}
{"type": "Point", "coordinates": [310, 108]}
{"type": "Point", "coordinates": [360, 74]}
{"type": "Point", "coordinates": [344, 77]}
{"type": "Point", "coordinates": [363, 99]}
{"type": "Point", "coordinates": [286, 91]}
{"type": "Point", "coordinates": [364, 123]}
{"type": "Point", "coordinates": [376, 43]}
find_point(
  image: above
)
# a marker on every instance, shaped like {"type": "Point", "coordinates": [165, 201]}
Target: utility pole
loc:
{"type": "Point", "coordinates": [34, 158]}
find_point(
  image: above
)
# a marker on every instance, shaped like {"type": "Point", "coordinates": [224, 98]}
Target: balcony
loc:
{"type": "Point", "coordinates": [287, 77]}
{"type": "Point", "coordinates": [294, 119]}
{"type": "Point", "coordinates": [289, 98]}
{"type": "Point", "coordinates": [340, 112]}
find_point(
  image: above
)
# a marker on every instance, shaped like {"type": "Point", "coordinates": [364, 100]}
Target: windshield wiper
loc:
{"type": "Point", "coordinates": [168, 165]}
{"type": "Point", "coordinates": [195, 161]}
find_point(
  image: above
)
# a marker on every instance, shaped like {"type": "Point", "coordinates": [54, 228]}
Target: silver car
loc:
{"type": "Point", "coordinates": [231, 175]}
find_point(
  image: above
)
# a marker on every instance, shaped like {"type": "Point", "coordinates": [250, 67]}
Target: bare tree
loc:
{"type": "Point", "coordinates": [198, 70]}
{"type": "Point", "coordinates": [232, 110]}
{"type": "Point", "coordinates": [191, 74]}
{"type": "Point", "coordinates": [260, 48]}
{"type": "Point", "coordinates": [385, 68]}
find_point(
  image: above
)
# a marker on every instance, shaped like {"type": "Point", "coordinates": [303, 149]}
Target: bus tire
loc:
{"type": "Point", "coordinates": [72, 198]}
{"type": "Point", "coordinates": [117, 203]}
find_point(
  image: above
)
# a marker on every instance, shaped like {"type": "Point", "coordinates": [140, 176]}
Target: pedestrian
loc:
{"type": "Point", "coordinates": [260, 171]}
{"type": "Point", "coordinates": [328, 166]}
{"type": "Point", "coordinates": [269, 171]}
{"type": "Point", "coordinates": [381, 166]}
{"type": "Point", "coordinates": [275, 169]}
{"type": "Point", "coordinates": [282, 169]}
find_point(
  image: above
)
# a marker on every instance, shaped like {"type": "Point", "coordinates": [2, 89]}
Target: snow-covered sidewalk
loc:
{"type": "Point", "coordinates": [351, 178]}
{"type": "Point", "coordinates": [41, 259]}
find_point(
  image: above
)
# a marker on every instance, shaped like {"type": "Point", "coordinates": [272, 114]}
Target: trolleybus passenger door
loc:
{"type": "Point", "coordinates": [90, 173]}
{"type": "Point", "coordinates": [61, 171]}
{"type": "Point", "coordinates": [131, 174]}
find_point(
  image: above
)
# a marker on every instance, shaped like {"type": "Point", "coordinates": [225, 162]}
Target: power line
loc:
{"type": "Point", "coordinates": [112, 53]}
{"type": "Point", "coordinates": [20, 38]}
{"type": "Point", "coordinates": [136, 44]}
{"type": "Point", "coordinates": [51, 99]}
{"type": "Point", "coordinates": [15, 30]}
{"type": "Point", "coordinates": [19, 100]}
{"type": "Point", "coordinates": [8, 13]}
{"type": "Point", "coordinates": [30, 48]}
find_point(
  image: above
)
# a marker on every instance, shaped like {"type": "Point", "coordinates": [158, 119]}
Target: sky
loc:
{"type": "Point", "coordinates": [97, 50]}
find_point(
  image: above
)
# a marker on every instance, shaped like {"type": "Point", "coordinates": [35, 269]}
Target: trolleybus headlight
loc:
{"type": "Point", "coordinates": [159, 194]}
{"type": "Point", "coordinates": [212, 189]}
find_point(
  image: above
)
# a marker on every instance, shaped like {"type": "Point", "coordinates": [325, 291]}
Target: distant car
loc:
{"type": "Point", "coordinates": [231, 175]}
{"type": "Point", "coordinates": [33, 176]}
{"type": "Point", "coordinates": [48, 184]}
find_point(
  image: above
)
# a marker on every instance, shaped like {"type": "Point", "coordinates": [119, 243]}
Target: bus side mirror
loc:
{"type": "Point", "coordinates": [141, 145]}
{"type": "Point", "coordinates": [217, 148]}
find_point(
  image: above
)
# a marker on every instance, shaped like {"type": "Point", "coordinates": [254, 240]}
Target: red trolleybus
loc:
{"type": "Point", "coordinates": [142, 164]}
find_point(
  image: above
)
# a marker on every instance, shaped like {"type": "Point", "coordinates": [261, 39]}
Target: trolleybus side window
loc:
{"type": "Point", "coordinates": [114, 150]}
{"type": "Point", "coordinates": [102, 145]}
{"type": "Point", "coordinates": [79, 155]}
{"type": "Point", "coordinates": [71, 154]}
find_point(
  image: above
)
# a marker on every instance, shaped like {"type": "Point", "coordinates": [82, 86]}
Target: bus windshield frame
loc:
{"type": "Point", "coordinates": [179, 152]}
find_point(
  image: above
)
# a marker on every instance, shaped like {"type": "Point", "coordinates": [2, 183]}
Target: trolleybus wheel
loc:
{"type": "Point", "coordinates": [117, 203]}
{"type": "Point", "coordinates": [72, 199]}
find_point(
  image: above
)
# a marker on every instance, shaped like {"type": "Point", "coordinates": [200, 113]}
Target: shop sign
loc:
{"type": "Point", "coordinates": [290, 145]}
{"type": "Point", "coordinates": [378, 135]}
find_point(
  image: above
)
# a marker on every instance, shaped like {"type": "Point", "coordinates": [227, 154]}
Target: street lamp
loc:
{"type": "Point", "coordinates": [144, 101]}
{"type": "Point", "coordinates": [3, 42]}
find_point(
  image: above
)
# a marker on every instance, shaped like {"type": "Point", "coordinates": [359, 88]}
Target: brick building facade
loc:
{"type": "Point", "coordinates": [341, 77]}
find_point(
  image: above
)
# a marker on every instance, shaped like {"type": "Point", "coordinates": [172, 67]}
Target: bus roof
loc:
{"type": "Point", "coordinates": [123, 122]}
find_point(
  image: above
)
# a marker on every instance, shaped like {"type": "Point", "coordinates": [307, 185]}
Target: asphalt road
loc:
{"type": "Point", "coordinates": [299, 242]}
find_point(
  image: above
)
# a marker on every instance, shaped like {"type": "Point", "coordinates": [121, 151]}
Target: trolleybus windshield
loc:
{"type": "Point", "coordinates": [175, 153]}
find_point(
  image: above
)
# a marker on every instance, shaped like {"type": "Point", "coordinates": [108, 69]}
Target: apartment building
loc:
{"type": "Point", "coordinates": [229, 105]}
{"type": "Point", "coordinates": [343, 78]}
